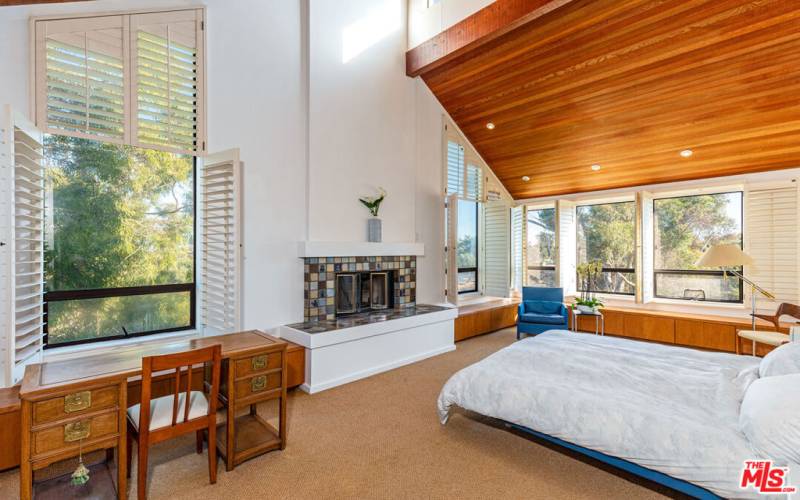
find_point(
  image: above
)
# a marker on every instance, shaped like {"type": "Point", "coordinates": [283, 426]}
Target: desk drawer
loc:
{"type": "Point", "coordinates": [52, 410]}
{"type": "Point", "coordinates": [257, 363]}
{"type": "Point", "coordinates": [256, 385]}
{"type": "Point", "coordinates": [69, 435]}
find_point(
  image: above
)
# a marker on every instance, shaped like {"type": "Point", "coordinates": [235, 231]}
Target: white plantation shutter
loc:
{"type": "Point", "coordinates": [165, 68]}
{"type": "Point", "coordinates": [518, 247]}
{"type": "Point", "coordinates": [455, 168]}
{"type": "Point", "coordinates": [221, 241]}
{"type": "Point", "coordinates": [772, 242]}
{"type": "Point", "coordinates": [451, 232]}
{"type": "Point", "coordinates": [567, 246]}
{"type": "Point", "coordinates": [464, 173]}
{"type": "Point", "coordinates": [81, 83]}
{"type": "Point", "coordinates": [473, 186]}
{"type": "Point", "coordinates": [134, 79]}
{"type": "Point", "coordinates": [22, 237]}
{"type": "Point", "coordinates": [497, 249]}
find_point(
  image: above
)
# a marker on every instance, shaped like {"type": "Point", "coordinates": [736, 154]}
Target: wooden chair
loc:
{"type": "Point", "coordinates": [185, 411]}
{"type": "Point", "coordinates": [775, 338]}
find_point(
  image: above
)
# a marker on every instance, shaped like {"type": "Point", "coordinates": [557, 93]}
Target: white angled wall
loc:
{"type": "Point", "coordinates": [315, 96]}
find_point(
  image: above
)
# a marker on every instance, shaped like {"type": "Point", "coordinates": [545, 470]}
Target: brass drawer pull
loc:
{"type": "Point", "coordinates": [259, 362]}
{"type": "Point", "coordinates": [258, 383]}
{"type": "Point", "coordinates": [78, 401]}
{"type": "Point", "coordinates": [76, 431]}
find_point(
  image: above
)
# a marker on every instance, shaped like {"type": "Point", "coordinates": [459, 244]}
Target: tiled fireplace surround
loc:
{"type": "Point", "coordinates": [320, 277]}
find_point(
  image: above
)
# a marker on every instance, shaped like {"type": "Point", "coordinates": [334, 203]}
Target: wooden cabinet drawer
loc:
{"type": "Point", "coordinates": [257, 384]}
{"type": "Point", "coordinates": [68, 435]}
{"type": "Point", "coordinates": [79, 402]}
{"type": "Point", "coordinates": [257, 363]}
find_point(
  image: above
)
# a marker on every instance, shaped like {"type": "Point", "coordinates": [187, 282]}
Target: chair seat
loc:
{"type": "Point", "coordinates": [543, 319]}
{"type": "Point", "coordinates": [161, 410]}
{"type": "Point", "coordinates": [764, 337]}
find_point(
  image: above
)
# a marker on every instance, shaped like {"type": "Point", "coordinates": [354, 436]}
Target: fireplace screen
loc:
{"type": "Point", "coordinates": [379, 285]}
{"type": "Point", "coordinates": [346, 285]}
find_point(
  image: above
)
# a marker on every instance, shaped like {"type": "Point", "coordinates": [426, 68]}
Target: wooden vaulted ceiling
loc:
{"type": "Point", "coordinates": [624, 84]}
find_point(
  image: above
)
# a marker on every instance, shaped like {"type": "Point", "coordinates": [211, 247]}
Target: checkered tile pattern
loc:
{"type": "Point", "coordinates": [320, 276]}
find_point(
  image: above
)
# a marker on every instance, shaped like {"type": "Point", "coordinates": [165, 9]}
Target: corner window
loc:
{"type": "Point", "coordinates": [119, 249]}
{"type": "Point", "coordinates": [685, 227]}
{"type": "Point", "coordinates": [606, 234]}
{"type": "Point", "coordinates": [467, 246]}
{"type": "Point", "coordinates": [541, 247]}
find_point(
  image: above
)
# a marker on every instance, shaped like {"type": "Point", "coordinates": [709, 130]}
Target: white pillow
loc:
{"type": "Point", "coordinates": [783, 360]}
{"type": "Point", "coordinates": [770, 417]}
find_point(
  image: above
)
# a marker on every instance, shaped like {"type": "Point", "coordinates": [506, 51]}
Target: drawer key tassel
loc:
{"type": "Point", "coordinates": [81, 474]}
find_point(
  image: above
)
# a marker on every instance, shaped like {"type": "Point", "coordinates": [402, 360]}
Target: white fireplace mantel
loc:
{"type": "Point", "coordinates": [357, 249]}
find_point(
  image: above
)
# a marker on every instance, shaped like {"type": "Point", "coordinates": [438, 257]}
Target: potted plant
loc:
{"type": "Point", "coordinates": [373, 204]}
{"type": "Point", "coordinates": [588, 272]}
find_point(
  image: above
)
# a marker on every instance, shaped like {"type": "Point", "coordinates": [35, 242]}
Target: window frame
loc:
{"type": "Point", "coordinates": [101, 293]}
{"type": "Point", "coordinates": [631, 270]}
{"type": "Point", "coordinates": [474, 269]}
{"type": "Point", "coordinates": [697, 272]}
{"type": "Point", "coordinates": [555, 232]}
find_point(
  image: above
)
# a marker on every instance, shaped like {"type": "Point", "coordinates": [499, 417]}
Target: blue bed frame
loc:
{"type": "Point", "coordinates": [635, 469]}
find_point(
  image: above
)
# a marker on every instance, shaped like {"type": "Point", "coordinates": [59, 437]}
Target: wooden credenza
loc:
{"type": "Point", "coordinates": [703, 331]}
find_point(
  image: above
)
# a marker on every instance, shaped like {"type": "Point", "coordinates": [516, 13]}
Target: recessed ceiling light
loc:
{"type": "Point", "coordinates": [525, 178]}
{"type": "Point", "coordinates": [490, 126]}
{"type": "Point", "coordinates": [595, 167]}
{"type": "Point", "coordinates": [687, 153]}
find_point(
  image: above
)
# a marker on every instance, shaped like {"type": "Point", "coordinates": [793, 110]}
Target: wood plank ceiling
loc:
{"type": "Point", "coordinates": [628, 85]}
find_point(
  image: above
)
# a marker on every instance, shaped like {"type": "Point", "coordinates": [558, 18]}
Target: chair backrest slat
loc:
{"type": "Point", "coordinates": [180, 362]}
{"type": "Point", "coordinates": [176, 397]}
{"type": "Point", "coordinates": [188, 394]}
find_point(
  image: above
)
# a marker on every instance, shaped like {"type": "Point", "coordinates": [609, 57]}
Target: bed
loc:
{"type": "Point", "coordinates": [668, 411]}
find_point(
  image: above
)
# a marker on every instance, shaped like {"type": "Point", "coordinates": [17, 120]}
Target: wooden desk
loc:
{"type": "Point", "coordinates": [83, 402]}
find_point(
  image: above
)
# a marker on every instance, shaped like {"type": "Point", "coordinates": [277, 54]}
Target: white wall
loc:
{"type": "Point", "coordinates": [315, 132]}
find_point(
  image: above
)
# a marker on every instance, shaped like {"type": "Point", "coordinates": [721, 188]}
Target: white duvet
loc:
{"type": "Point", "coordinates": [666, 408]}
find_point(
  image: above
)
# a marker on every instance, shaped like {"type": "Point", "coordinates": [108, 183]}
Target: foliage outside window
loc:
{"type": "Point", "coordinates": [685, 227]}
{"type": "Point", "coordinates": [541, 252]}
{"type": "Point", "coordinates": [120, 241]}
{"type": "Point", "coordinates": [606, 234]}
{"type": "Point", "coordinates": [467, 246]}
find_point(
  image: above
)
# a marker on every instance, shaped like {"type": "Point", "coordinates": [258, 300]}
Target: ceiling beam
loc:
{"type": "Point", "coordinates": [8, 3]}
{"type": "Point", "coordinates": [489, 23]}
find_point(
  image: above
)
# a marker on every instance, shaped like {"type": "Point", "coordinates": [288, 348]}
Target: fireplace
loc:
{"type": "Point", "coordinates": [363, 291]}
{"type": "Point", "coordinates": [320, 285]}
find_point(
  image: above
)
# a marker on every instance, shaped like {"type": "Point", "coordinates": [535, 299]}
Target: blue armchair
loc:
{"type": "Point", "coordinates": [541, 309]}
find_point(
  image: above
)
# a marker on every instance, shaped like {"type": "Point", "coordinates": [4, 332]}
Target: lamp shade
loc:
{"type": "Point", "coordinates": [724, 256]}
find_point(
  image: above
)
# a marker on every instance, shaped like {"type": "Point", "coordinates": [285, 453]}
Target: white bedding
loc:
{"type": "Point", "coordinates": [670, 409]}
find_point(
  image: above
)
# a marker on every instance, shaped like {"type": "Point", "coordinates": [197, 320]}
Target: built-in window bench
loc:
{"type": "Point", "coordinates": [702, 331]}
{"type": "Point", "coordinates": [485, 316]}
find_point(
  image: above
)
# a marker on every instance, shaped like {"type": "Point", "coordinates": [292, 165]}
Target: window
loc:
{"type": "Point", "coordinates": [606, 233]}
{"type": "Point", "coordinates": [467, 246]}
{"type": "Point", "coordinates": [542, 247]}
{"type": "Point", "coordinates": [684, 228]}
{"type": "Point", "coordinates": [119, 247]}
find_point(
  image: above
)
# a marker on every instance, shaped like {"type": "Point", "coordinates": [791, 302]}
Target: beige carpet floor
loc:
{"type": "Point", "coordinates": [380, 438]}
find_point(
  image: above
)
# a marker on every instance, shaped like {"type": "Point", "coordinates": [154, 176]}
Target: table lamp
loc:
{"type": "Point", "coordinates": [729, 258]}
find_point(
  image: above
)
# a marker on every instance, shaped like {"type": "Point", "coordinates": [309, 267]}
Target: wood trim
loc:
{"type": "Point", "coordinates": [486, 25]}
